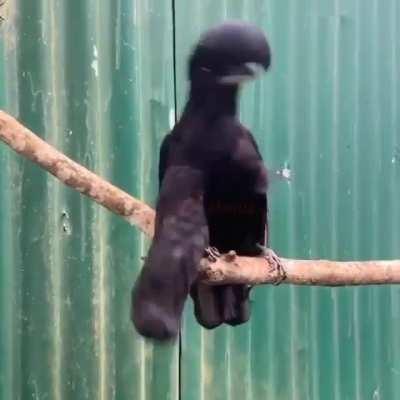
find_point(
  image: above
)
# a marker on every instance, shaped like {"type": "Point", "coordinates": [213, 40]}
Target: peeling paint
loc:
{"type": "Point", "coordinates": [171, 118]}
{"type": "Point", "coordinates": [95, 63]}
{"type": "Point", "coordinates": [66, 223]}
{"type": "Point", "coordinates": [285, 173]}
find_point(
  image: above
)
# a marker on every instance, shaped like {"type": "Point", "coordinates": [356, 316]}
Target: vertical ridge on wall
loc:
{"type": "Point", "coordinates": [333, 225]}
{"type": "Point", "coordinates": [54, 122]}
{"type": "Point", "coordinates": [355, 203]}
{"type": "Point", "coordinates": [99, 126]}
{"type": "Point", "coordinates": [313, 82]}
{"type": "Point", "coordinates": [393, 87]}
{"type": "Point", "coordinates": [7, 298]}
{"type": "Point", "coordinates": [379, 139]}
{"type": "Point", "coordinates": [10, 277]}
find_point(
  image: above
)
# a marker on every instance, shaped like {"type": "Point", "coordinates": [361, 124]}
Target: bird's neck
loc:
{"type": "Point", "coordinates": [214, 101]}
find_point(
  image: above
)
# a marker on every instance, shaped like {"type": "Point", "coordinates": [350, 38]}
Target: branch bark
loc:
{"type": "Point", "coordinates": [228, 268]}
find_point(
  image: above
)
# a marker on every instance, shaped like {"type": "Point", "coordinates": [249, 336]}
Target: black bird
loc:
{"type": "Point", "coordinates": [213, 187]}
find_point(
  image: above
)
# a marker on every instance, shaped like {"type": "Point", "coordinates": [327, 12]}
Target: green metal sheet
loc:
{"type": "Point", "coordinates": [96, 79]}
{"type": "Point", "coordinates": [328, 112]}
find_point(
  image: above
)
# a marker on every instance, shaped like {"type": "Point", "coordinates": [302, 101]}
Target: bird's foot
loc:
{"type": "Point", "coordinates": [275, 264]}
{"type": "Point", "coordinates": [212, 253]}
{"type": "Point", "coordinates": [230, 256]}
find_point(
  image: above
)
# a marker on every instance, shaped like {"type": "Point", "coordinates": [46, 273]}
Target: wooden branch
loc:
{"type": "Point", "coordinates": [255, 271]}
{"type": "Point", "coordinates": [74, 175]}
{"type": "Point", "coordinates": [228, 268]}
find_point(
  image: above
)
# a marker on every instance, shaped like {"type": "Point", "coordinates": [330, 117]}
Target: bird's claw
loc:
{"type": "Point", "coordinates": [230, 256]}
{"type": "Point", "coordinates": [275, 264]}
{"type": "Point", "coordinates": [212, 253]}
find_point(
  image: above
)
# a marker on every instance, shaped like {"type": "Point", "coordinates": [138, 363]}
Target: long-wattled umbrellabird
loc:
{"type": "Point", "coordinates": [213, 187]}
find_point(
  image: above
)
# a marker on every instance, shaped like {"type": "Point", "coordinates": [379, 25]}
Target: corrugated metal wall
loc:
{"type": "Point", "coordinates": [95, 78]}
{"type": "Point", "coordinates": [329, 112]}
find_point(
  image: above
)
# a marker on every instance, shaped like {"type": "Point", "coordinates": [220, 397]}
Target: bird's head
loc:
{"type": "Point", "coordinates": [229, 54]}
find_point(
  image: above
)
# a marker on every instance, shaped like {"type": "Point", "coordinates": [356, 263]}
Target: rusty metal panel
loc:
{"type": "Point", "coordinates": [95, 79]}
{"type": "Point", "coordinates": [327, 114]}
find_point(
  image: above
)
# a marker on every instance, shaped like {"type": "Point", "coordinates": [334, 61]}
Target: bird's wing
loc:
{"type": "Point", "coordinates": [164, 154]}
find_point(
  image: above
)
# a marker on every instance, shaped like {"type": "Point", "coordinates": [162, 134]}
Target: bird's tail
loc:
{"type": "Point", "coordinates": [215, 305]}
{"type": "Point", "coordinates": [171, 266]}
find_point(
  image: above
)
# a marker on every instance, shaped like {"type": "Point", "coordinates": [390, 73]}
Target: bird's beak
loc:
{"type": "Point", "coordinates": [241, 73]}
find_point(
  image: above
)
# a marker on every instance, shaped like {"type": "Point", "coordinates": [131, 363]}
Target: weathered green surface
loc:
{"type": "Point", "coordinates": [95, 78]}
{"type": "Point", "coordinates": [329, 112]}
